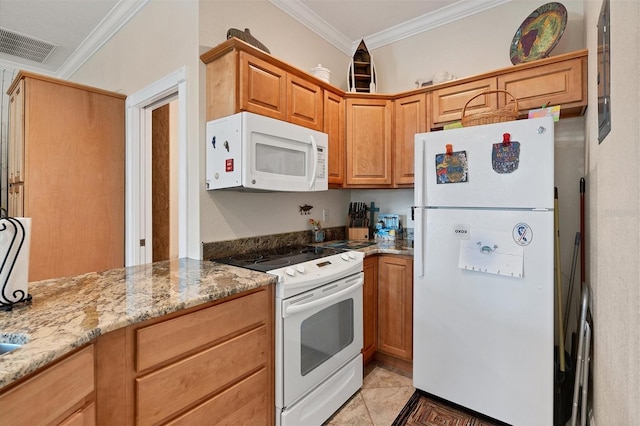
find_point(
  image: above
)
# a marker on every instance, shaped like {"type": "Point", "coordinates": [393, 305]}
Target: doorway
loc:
{"type": "Point", "coordinates": [156, 168]}
{"type": "Point", "coordinates": [164, 207]}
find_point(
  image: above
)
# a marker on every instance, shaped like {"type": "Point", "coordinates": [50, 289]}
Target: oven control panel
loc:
{"type": "Point", "coordinates": [301, 277]}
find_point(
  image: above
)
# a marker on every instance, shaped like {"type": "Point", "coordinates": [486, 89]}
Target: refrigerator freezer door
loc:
{"type": "Point", "coordinates": [530, 185]}
{"type": "Point", "coordinates": [485, 340]}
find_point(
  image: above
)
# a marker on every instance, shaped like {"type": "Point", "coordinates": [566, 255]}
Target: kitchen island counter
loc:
{"type": "Point", "coordinates": [67, 313]}
{"type": "Point", "coordinates": [399, 247]}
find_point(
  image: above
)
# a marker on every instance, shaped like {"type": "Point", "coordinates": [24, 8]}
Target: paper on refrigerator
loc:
{"type": "Point", "coordinates": [492, 253]}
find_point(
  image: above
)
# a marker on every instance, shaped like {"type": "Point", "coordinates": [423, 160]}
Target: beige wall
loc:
{"type": "Point", "coordinates": [228, 214]}
{"type": "Point", "coordinates": [469, 46]}
{"type": "Point", "coordinates": [159, 40]}
{"type": "Point", "coordinates": [613, 233]}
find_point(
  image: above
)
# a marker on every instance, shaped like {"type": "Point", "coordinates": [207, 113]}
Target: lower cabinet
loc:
{"type": "Point", "coordinates": [212, 365]}
{"type": "Point", "coordinates": [389, 300]}
{"type": "Point", "coordinates": [63, 393]}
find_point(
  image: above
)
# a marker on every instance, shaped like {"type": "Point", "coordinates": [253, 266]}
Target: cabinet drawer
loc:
{"type": "Point", "coordinates": [553, 84]}
{"type": "Point", "coordinates": [447, 103]}
{"type": "Point", "coordinates": [245, 403]}
{"type": "Point", "coordinates": [169, 339]}
{"type": "Point", "coordinates": [165, 392]}
{"type": "Point", "coordinates": [52, 394]}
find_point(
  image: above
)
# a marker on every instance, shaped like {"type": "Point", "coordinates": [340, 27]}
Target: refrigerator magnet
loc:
{"type": "Point", "coordinates": [451, 167]}
{"type": "Point", "coordinates": [522, 234]}
{"type": "Point", "coordinates": [505, 156]}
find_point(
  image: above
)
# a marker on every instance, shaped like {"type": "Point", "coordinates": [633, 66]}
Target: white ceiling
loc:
{"type": "Point", "coordinates": [80, 27]}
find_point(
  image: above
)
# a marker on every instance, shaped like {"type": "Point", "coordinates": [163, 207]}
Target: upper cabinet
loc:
{"type": "Point", "coordinates": [371, 135]}
{"type": "Point", "coordinates": [558, 80]}
{"type": "Point", "coordinates": [410, 118]}
{"type": "Point", "coordinates": [368, 142]}
{"type": "Point", "coordinates": [334, 117]}
{"type": "Point", "coordinates": [447, 103]}
{"type": "Point", "coordinates": [560, 83]}
{"type": "Point", "coordinates": [242, 78]}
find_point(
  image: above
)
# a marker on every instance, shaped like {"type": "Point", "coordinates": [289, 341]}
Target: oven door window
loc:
{"type": "Point", "coordinates": [325, 334]}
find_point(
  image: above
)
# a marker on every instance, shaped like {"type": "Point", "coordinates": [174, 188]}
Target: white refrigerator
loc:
{"type": "Point", "coordinates": [483, 269]}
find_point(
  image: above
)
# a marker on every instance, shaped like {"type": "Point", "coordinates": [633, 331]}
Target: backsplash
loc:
{"type": "Point", "coordinates": [216, 249]}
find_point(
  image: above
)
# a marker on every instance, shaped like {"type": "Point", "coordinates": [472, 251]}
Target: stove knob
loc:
{"type": "Point", "coordinates": [344, 256]}
{"type": "Point", "coordinates": [352, 255]}
{"type": "Point", "coordinates": [301, 269]}
{"type": "Point", "coordinates": [290, 271]}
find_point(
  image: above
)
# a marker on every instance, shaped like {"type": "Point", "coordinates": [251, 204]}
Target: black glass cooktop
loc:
{"type": "Point", "coordinates": [267, 260]}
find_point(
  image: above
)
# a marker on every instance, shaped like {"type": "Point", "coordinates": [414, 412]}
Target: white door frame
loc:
{"type": "Point", "coordinates": [137, 192]}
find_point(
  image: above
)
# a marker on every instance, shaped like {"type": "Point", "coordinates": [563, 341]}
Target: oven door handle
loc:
{"type": "Point", "coordinates": [294, 309]}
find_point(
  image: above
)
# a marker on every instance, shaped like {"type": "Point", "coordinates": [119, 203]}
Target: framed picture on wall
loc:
{"type": "Point", "coordinates": [604, 72]}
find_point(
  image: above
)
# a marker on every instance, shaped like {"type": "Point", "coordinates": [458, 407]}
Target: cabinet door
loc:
{"type": "Point", "coordinates": [369, 142]}
{"type": "Point", "coordinates": [370, 308]}
{"type": "Point", "coordinates": [410, 118]}
{"type": "Point", "coordinates": [553, 84]}
{"type": "Point", "coordinates": [334, 127]}
{"type": "Point", "coordinates": [304, 103]}
{"type": "Point", "coordinates": [447, 103]}
{"type": "Point", "coordinates": [395, 306]}
{"type": "Point", "coordinates": [263, 87]}
{"type": "Point", "coordinates": [16, 134]}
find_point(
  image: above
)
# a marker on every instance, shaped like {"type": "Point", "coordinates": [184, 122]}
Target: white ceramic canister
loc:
{"type": "Point", "coordinates": [321, 72]}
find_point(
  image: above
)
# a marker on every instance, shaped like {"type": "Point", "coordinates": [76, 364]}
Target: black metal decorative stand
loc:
{"type": "Point", "coordinates": [9, 224]}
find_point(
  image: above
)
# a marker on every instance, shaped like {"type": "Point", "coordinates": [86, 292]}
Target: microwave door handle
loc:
{"type": "Point", "coordinates": [314, 148]}
{"type": "Point", "coordinates": [294, 309]}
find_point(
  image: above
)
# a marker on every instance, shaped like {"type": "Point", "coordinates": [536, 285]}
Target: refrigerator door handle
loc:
{"type": "Point", "coordinates": [419, 252]}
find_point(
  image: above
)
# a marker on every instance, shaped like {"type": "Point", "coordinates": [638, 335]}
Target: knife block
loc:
{"type": "Point", "coordinates": [359, 234]}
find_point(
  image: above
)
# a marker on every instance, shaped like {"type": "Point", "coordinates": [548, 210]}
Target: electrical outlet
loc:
{"type": "Point", "coordinates": [325, 215]}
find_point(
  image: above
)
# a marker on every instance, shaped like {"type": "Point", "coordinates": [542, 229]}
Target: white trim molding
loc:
{"type": "Point", "coordinates": [136, 215]}
{"type": "Point", "coordinates": [110, 25]}
{"type": "Point", "coordinates": [426, 22]}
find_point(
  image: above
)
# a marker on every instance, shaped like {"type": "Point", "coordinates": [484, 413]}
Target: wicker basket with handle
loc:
{"type": "Point", "coordinates": [509, 112]}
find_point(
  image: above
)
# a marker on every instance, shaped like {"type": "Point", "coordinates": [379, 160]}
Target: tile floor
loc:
{"type": "Point", "coordinates": [383, 394]}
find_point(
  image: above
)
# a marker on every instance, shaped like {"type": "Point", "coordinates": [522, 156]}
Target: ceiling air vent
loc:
{"type": "Point", "coordinates": [25, 47]}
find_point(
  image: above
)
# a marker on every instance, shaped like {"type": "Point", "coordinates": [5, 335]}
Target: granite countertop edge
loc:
{"type": "Point", "coordinates": [68, 313]}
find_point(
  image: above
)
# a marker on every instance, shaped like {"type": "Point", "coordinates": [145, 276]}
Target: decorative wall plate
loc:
{"type": "Point", "coordinates": [539, 33]}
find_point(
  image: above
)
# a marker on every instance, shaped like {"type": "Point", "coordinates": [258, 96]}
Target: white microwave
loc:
{"type": "Point", "coordinates": [250, 151]}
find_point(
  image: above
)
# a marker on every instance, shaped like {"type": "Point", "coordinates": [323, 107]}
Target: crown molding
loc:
{"type": "Point", "coordinates": [297, 10]}
{"type": "Point", "coordinates": [429, 21]}
{"type": "Point", "coordinates": [307, 17]}
{"type": "Point", "coordinates": [110, 25]}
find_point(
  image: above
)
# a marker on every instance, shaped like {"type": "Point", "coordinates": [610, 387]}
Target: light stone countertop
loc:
{"type": "Point", "coordinates": [68, 313]}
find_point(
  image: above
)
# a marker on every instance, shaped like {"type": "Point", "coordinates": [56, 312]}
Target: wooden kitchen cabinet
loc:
{"type": "Point", "coordinates": [395, 311]}
{"type": "Point", "coordinates": [334, 123]}
{"type": "Point", "coordinates": [63, 393]}
{"type": "Point", "coordinates": [369, 142]}
{"type": "Point", "coordinates": [16, 135]}
{"type": "Point", "coordinates": [67, 174]}
{"type": "Point", "coordinates": [410, 118]}
{"type": "Point", "coordinates": [370, 308]}
{"type": "Point", "coordinates": [558, 83]}
{"type": "Point", "coordinates": [240, 78]}
{"type": "Point", "coordinates": [209, 365]}
{"type": "Point", "coordinates": [447, 103]}
{"type": "Point", "coordinates": [262, 88]}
